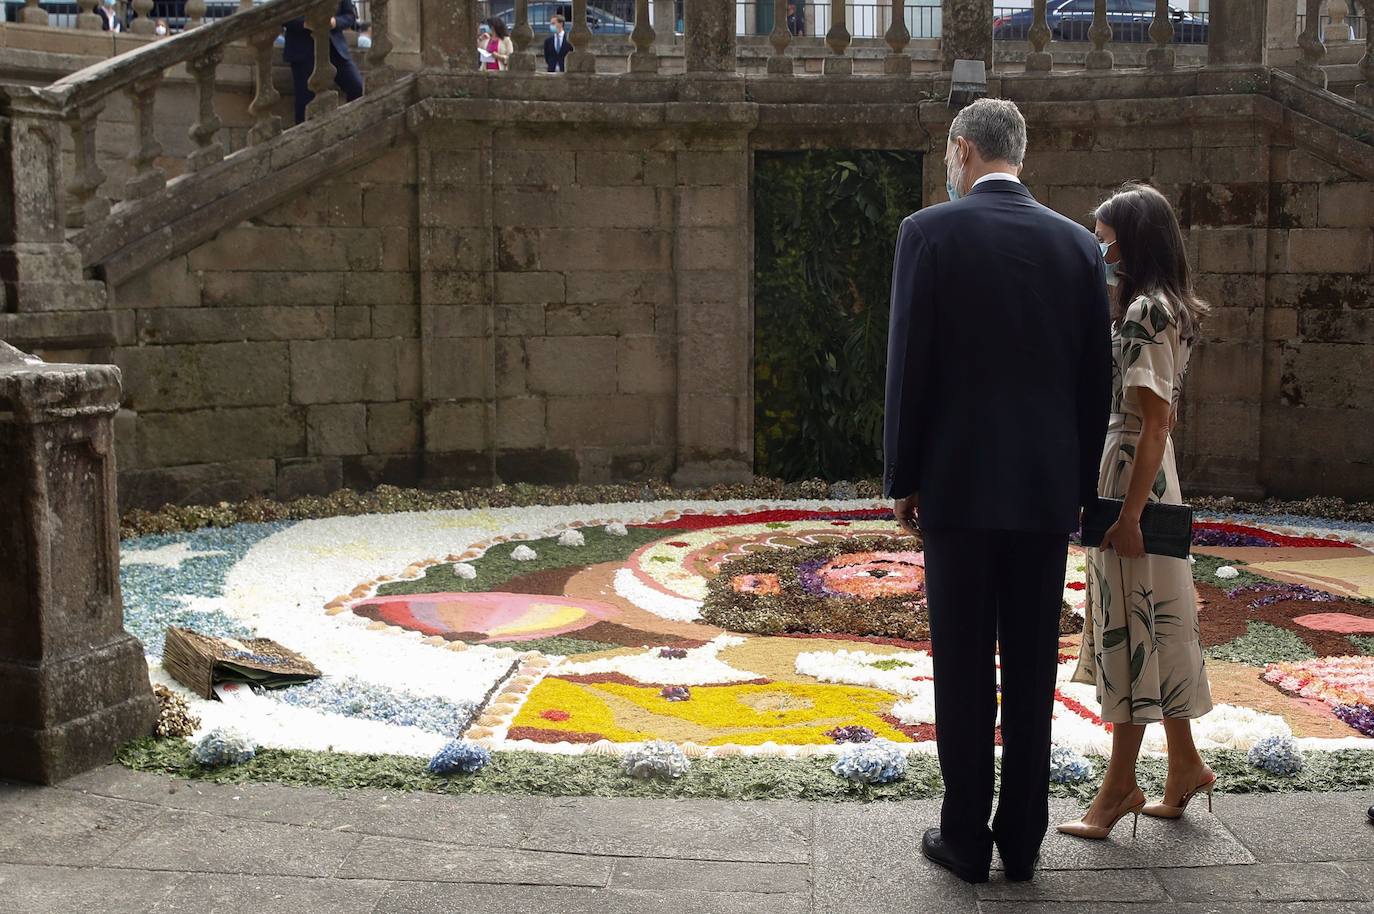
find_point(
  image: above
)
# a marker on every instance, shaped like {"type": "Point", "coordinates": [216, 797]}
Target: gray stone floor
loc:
{"type": "Point", "coordinates": [118, 842]}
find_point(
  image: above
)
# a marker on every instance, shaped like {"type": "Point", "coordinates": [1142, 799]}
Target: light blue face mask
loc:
{"type": "Point", "coordinates": [955, 177]}
{"type": "Point", "coordinates": [553, 27]}
{"type": "Point", "coordinates": [1111, 267]}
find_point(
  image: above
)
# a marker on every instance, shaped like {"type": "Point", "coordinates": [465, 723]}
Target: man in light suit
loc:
{"type": "Point", "coordinates": [557, 46]}
{"type": "Point", "coordinates": [998, 389]}
{"type": "Point", "coordinates": [300, 54]}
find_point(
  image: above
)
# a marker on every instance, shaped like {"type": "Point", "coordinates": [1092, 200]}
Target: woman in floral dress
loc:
{"type": "Point", "coordinates": [1140, 644]}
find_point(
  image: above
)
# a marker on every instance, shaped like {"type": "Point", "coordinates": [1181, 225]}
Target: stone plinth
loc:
{"type": "Point", "coordinates": [73, 683]}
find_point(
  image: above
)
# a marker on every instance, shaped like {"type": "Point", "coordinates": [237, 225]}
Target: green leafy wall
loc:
{"type": "Point", "coordinates": [825, 227]}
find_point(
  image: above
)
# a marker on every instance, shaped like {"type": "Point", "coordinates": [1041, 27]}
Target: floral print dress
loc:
{"type": "Point", "coordinates": [1141, 643]}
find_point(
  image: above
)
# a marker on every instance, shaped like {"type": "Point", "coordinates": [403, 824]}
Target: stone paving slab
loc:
{"type": "Point", "coordinates": [1073, 885]}
{"type": "Point", "coordinates": [418, 898]}
{"type": "Point", "coordinates": [768, 832]}
{"type": "Point", "coordinates": [1198, 839]}
{"type": "Point", "coordinates": [659, 875]}
{"type": "Point", "coordinates": [41, 826]}
{"type": "Point", "coordinates": [196, 842]}
{"type": "Point", "coordinates": [26, 889]}
{"type": "Point", "coordinates": [1301, 827]}
{"type": "Point", "coordinates": [397, 858]}
{"type": "Point", "coordinates": [1265, 882]}
{"type": "Point", "coordinates": [201, 893]}
{"type": "Point", "coordinates": [1175, 907]}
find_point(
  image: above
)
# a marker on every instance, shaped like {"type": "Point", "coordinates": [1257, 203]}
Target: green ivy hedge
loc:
{"type": "Point", "coordinates": [825, 228]}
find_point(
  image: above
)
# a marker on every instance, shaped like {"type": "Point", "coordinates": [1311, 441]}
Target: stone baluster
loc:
{"type": "Point", "coordinates": [147, 177]}
{"type": "Point", "coordinates": [266, 124]}
{"type": "Point", "coordinates": [580, 59]}
{"type": "Point", "coordinates": [1364, 92]}
{"type": "Point", "coordinates": [1099, 58]}
{"type": "Point", "coordinates": [1309, 68]}
{"type": "Point", "coordinates": [33, 14]}
{"type": "Point", "coordinates": [195, 13]}
{"type": "Point", "coordinates": [644, 58]}
{"type": "Point", "coordinates": [85, 204]}
{"type": "Point", "coordinates": [1236, 30]}
{"type": "Point", "coordinates": [1338, 27]}
{"type": "Point", "coordinates": [208, 151]}
{"type": "Point", "coordinates": [709, 36]}
{"type": "Point", "coordinates": [1161, 56]}
{"type": "Point", "coordinates": [322, 77]}
{"type": "Point", "coordinates": [898, 36]}
{"type": "Point", "coordinates": [965, 32]}
{"type": "Point", "coordinates": [143, 24]}
{"type": "Point", "coordinates": [780, 62]}
{"type": "Point", "coordinates": [522, 61]}
{"type": "Point", "coordinates": [379, 72]}
{"type": "Point", "coordinates": [837, 40]}
{"type": "Point", "coordinates": [448, 34]}
{"type": "Point", "coordinates": [1039, 60]}
{"type": "Point", "coordinates": [87, 18]}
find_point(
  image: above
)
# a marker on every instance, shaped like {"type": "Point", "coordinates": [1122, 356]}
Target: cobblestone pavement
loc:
{"type": "Point", "coordinates": [118, 842]}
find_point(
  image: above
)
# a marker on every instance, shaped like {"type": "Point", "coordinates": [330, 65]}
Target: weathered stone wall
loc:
{"type": "Point", "coordinates": [538, 287]}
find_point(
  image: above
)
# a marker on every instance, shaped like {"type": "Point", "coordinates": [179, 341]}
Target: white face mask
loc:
{"type": "Point", "coordinates": [364, 41]}
{"type": "Point", "coordinates": [160, 30]}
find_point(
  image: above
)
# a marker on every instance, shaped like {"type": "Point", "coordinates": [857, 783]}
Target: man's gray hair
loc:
{"type": "Point", "coordinates": [995, 126]}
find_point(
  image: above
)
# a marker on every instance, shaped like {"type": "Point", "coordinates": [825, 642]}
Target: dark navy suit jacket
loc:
{"type": "Point", "coordinates": [999, 364]}
{"type": "Point", "coordinates": [300, 45]}
{"type": "Point", "coordinates": [555, 57]}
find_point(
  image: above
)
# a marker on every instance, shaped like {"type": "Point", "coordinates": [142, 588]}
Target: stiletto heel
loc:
{"type": "Point", "coordinates": [1081, 829]}
{"type": "Point", "coordinates": [1165, 811]}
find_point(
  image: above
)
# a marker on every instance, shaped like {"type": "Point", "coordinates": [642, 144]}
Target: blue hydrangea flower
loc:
{"type": "Point", "coordinates": [1277, 755]}
{"type": "Point", "coordinates": [222, 746]}
{"type": "Point", "coordinates": [879, 761]}
{"type": "Point", "coordinates": [459, 757]}
{"type": "Point", "coordinates": [1068, 766]}
{"type": "Point", "coordinates": [656, 759]}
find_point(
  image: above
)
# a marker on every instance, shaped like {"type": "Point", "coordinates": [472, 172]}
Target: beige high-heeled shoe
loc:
{"type": "Point", "coordinates": [1165, 811]}
{"type": "Point", "coordinates": [1081, 829]}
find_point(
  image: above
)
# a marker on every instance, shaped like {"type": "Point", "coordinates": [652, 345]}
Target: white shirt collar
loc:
{"type": "Point", "coordinates": [996, 176]}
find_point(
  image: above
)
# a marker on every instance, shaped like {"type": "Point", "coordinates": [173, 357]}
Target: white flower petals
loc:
{"type": "Point", "coordinates": [572, 538]}
{"type": "Point", "coordinates": [523, 553]}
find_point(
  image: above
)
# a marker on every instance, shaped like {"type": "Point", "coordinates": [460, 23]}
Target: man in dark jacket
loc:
{"type": "Point", "coordinates": [998, 388]}
{"type": "Point", "coordinates": [300, 54]}
{"type": "Point", "coordinates": [557, 45]}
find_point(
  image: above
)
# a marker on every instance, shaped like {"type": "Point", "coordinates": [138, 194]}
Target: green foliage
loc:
{"type": "Point", "coordinates": [757, 778]}
{"type": "Point", "coordinates": [1262, 644]}
{"type": "Point", "coordinates": [825, 229]}
{"type": "Point", "coordinates": [1205, 572]}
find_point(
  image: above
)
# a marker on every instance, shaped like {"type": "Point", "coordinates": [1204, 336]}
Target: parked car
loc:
{"type": "Point", "coordinates": [1069, 20]}
{"type": "Point", "coordinates": [598, 19]}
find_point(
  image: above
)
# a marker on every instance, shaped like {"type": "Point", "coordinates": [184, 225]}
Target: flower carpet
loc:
{"type": "Point", "coordinates": [781, 629]}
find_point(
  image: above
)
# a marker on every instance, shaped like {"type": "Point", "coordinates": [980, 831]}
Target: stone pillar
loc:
{"type": "Point", "coordinates": [1235, 35]}
{"type": "Point", "coordinates": [709, 34]}
{"type": "Point", "coordinates": [39, 270]}
{"type": "Point", "coordinates": [448, 34]}
{"type": "Point", "coordinates": [966, 32]}
{"type": "Point", "coordinates": [665, 23]}
{"type": "Point", "coordinates": [73, 684]}
{"type": "Point", "coordinates": [1281, 33]}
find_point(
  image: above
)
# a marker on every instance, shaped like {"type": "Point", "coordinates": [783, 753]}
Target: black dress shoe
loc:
{"type": "Point", "coordinates": [1021, 873]}
{"type": "Point", "coordinates": [1370, 813]}
{"type": "Point", "coordinates": [935, 849]}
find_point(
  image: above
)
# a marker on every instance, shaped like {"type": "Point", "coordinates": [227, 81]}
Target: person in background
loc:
{"type": "Point", "coordinates": [364, 35]}
{"type": "Point", "coordinates": [557, 46]}
{"type": "Point", "coordinates": [109, 16]}
{"type": "Point", "coordinates": [161, 29]}
{"type": "Point", "coordinates": [486, 47]}
{"type": "Point", "coordinates": [300, 54]}
{"type": "Point", "coordinates": [504, 46]}
{"type": "Point", "coordinates": [796, 21]}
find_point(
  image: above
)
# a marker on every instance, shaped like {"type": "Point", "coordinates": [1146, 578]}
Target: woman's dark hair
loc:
{"type": "Point", "coordinates": [498, 26]}
{"type": "Point", "coordinates": [1153, 259]}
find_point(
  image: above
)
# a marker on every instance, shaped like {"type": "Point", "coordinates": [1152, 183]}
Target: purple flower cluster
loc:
{"type": "Point", "coordinates": [672, 653]}
{"type": "Point", "coordinates": [1361, 717]}
{"type": "Point", "coordinates": [1278, 593]}
{"type": "Point", "coordinates": [851, 734]}
{"type": "Point", "coordinates": [808, 575]}
{"type": "Point", "coordinates": [676, 693]}
{"type": "Point", "coordinates": [1212, 537]}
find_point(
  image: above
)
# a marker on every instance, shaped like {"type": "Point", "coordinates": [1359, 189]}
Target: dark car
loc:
{"type": "Point", "coordinates": [1069, 20]}
{"type": "Point", "coordinates": [598, 20]}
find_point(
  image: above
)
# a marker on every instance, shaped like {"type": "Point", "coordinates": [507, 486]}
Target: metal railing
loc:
{"type": "Point", "coordinates": [863, 18]}
{"type": "Point", "coordinates": [1356, 23]}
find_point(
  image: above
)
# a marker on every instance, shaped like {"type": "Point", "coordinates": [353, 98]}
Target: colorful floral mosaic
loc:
{"type": "Point", "coordinates": [718, 628]}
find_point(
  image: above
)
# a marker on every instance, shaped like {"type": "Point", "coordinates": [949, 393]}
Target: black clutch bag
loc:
{"type": "Point", "coordinates": [1168, 529]}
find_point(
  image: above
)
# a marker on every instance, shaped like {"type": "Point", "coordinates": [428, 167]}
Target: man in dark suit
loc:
{"type": "Point", "coordinates": [300, 54]}
{"type": "Point", "coordinates": [796, 21]}
{"type": "Point", "coordinates": [998, 387]}
{"type": "Point", "coordinates": [557, 45]}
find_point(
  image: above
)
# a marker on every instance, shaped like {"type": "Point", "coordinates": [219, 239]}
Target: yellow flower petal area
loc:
{"type": "Point", "coordinates": [540, 617]}
{"type": "Point", "coordinates": [784, 712]}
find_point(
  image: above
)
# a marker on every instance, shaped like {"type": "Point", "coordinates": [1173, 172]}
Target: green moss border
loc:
{"type": "Point", "coordinates": [753, 778]}
{"type": "Point", "coordinates": [392, 500]}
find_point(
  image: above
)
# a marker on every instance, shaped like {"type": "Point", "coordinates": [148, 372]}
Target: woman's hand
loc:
{"type": "Point", "coordinates": [1125, 537]}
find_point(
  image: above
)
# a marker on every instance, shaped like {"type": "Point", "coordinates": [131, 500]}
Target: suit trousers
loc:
{"type": "Point", "coordinates": [988, 588]}
{"type": "Point", "coordinates": [346, 77]}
